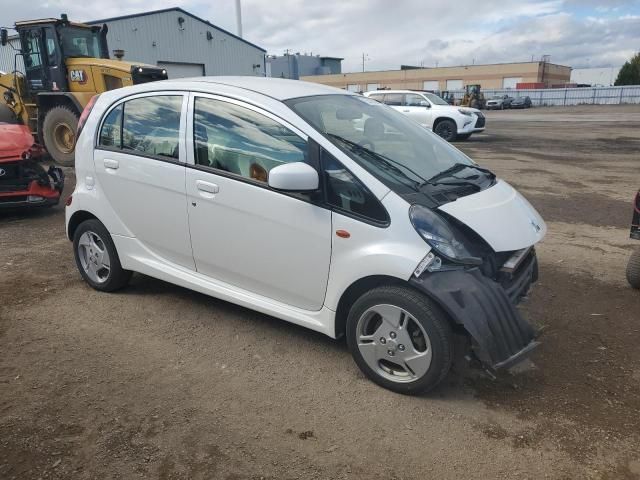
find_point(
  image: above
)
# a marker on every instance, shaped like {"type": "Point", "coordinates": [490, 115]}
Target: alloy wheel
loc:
{"type": "Point", "coordinates": [94, 257]}
{"type": "Point", "coordinates": [393, 343]}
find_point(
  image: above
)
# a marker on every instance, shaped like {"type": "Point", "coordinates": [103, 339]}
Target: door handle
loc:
{"type": "Point", "coordinates": [207, 187]}
{"type": "Point", "coordinates": [112, 164]}
{"type": "Point", "coordinates": [406, 110]}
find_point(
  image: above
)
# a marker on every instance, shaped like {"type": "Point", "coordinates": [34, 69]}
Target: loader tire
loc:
{"type": "Point", "coordinates": [633, 269]}
{"type": "Point", "coordinates": [59, 135]}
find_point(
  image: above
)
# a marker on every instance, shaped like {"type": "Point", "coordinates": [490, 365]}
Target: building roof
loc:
{"type": "Point", "coordinates": [278, 88]}
{"type": "Point", "coordinates": [174, 9]}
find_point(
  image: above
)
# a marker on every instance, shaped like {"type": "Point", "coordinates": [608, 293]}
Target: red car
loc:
{"type": "Point", "coordinates": [23, 180]}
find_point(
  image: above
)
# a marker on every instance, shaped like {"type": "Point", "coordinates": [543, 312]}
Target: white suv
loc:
{"type": "Point", "coordinates": [266, 193]}
{"type": "Point", "coordinates": [431, 111]}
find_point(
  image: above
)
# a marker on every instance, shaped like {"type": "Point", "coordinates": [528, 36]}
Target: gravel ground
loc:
{"type": "Point", "coordinates": [160, 382]}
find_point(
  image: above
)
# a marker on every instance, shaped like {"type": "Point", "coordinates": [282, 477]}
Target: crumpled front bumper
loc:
{"type": "Point", "coordinates": [33, 192]}
{"type": "Point", "coordinates": [500, 336]}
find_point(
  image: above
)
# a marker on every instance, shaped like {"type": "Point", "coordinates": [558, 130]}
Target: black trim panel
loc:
{"type": "Point", "coordinates": [500, 336]}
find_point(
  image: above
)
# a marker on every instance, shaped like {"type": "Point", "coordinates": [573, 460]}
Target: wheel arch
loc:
{"type": "Point", "coordinates": [441, 119]}
{"type": "Point", "coordinates": [354, 291]}
{"type": "Point", "coordinates": [76, 219]}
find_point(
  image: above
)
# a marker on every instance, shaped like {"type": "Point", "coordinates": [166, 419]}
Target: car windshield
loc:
{"type": "Point", "coordinates": [497, 97]}
{"type": "Point", "coordinates": [80, 42]}
{"type": "Point", "coordinates": [433, 98]}
{"type": "Point", "coordinates": [395, 149]}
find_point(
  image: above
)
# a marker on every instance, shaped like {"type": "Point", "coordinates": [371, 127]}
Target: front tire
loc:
{"type": "Point", "coordinates": [447, 129]}
{"type": "Point", "coordinates": [59, 130]}
{"type": "Point", "coordinates": [96, 257]}
{"type": "Point", "coordinates": [633, 269]}
{"type": "Point", "coordinates": [400, 339]}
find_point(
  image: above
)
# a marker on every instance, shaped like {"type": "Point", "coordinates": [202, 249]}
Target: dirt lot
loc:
{"type": "Point", "coordinates": [160, 382]}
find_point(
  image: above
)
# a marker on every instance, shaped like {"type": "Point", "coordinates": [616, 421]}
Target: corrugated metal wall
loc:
{"type": "Point", "coordinates": [7, 57]}
{"type": "Point", "coordinates": [159, 37]}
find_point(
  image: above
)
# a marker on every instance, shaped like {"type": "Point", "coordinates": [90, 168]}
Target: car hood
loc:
{"type": "Point", "coordinates": [452, 109]}
{"type": "Point", "coordinates": [15, 140]}
{"type": "Point", "coordinates": [501, 216]}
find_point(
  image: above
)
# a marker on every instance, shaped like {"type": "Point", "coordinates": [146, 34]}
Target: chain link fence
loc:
{"type": "Point", "coordinates": [569, 96]}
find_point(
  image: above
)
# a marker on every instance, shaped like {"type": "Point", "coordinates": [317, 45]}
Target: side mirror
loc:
{"type": "Point", "coordinates": [294, 177]}
{"type": "Point", "coordinates": [424, 103]}
{"type": "Point", "coordinates": [4, 36]}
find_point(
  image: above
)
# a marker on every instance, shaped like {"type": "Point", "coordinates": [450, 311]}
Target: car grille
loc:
{"type": "Point", "coordinates": [481, 120]}
{"type": "Point", "coordinates": [9, 171]}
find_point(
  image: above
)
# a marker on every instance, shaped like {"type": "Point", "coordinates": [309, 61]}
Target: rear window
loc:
{"type": "Point", "coordinates": [148, 126]}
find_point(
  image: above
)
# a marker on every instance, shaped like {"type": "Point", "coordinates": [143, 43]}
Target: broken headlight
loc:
{"type": "Point", "coordinates": [437, 233]}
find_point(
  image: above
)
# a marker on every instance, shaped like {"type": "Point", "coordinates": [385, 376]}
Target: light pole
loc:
{"type": "Point", "coordinates": [365, 58]}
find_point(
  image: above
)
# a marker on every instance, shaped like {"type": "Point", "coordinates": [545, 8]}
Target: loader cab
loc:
{"type": "Point", "coordinates": [46, 44]}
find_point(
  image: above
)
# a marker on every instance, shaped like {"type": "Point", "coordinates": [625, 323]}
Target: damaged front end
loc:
{"type": "Point", "coordinates": [24, 182]}
{"type": "Point", "coordinates": [485, 306]}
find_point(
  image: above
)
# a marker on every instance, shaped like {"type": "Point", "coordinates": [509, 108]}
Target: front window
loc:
{"type": "Point", "coordinates": [435, 99]}
{"type": "Point", "coordinates": [80, 42]}
{"type": "Point", "coordinates": [392, 147]}
{"type": "Point", "coordinates": [241, 141]}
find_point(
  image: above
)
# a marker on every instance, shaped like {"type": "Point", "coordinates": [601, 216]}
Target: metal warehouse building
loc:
{"type": "Point", "coordinates": [175, 39]}
{"type": "Point", "coordinates": [501, 75]}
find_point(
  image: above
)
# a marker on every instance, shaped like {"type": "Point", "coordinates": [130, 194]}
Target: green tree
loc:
{"type": "Point", "coordinates": [630, 72]}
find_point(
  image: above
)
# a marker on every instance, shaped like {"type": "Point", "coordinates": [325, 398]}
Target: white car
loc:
{"type": "Point", "coordinates": [431, 111]}
{"type": "Point", "coordinates": [263, 192]}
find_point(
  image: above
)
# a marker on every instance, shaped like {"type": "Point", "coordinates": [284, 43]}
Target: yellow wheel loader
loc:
{"type": "Point", "coordinates": [65, 64]}
{"type": "Point", "coordinates": [473, 97]}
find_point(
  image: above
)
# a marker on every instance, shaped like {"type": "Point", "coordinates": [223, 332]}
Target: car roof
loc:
{"type": "Point", "coordinates": [278, 88]}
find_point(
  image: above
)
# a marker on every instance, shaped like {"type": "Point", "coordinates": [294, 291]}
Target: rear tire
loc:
{"type": "Point", "coordinates": [92, 245]}
{"type": "Point", "coordinates": [446, 129]}
{"type": "Point", "coordinates": [59, 130]}
{"type": "Point", "coordinates": [400, 339]}
{"type": "Point", "coordinates": [633, 269]}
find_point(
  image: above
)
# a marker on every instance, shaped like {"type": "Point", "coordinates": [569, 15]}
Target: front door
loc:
{"type": "Point", "coordinates": [244, 233]}
{"type": "Point", "coordinates": [415, 107]}
{"type": "Point", "coordinates": [140, 170]}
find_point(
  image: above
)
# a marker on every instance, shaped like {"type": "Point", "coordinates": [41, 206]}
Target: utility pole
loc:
{"type": "Point", "coordinates": [288, 63]}
{"type": "Point", "coordinates": [365, 57]}
{"type": "Point", "coordinates": [239, 18]}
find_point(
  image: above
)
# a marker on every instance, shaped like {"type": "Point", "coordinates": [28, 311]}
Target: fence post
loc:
{"type": "Point", "coordinates": [541, 92]}
{"type": "Point", "coordinates": [621, 90]}
{"type": "Point", "coordinates": [593, 100]}
{"type": "Point", "coordinates": [564, 103]}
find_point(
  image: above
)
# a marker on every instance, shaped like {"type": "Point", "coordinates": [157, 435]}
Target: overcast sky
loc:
{"type": "Point", "coordinates": [578, 33]}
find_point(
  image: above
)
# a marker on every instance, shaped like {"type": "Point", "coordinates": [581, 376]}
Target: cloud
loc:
{"type": "Point", "coordinates": [574, 32]}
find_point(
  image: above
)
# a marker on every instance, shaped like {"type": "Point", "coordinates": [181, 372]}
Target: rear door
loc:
{"type": "Point", "coordinates": [140, 169]}
{"type": "Point", "coordinates": [244, 233]}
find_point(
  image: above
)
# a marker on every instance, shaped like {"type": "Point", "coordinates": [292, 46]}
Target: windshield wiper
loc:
{"type": "Point", "coordinates": [389, 163]}
{"type": "Point", "coordinates": [456, 167]}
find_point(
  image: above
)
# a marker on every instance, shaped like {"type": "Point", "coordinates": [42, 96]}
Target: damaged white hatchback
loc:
{"type": "Point", "coordinates": [311, 204]}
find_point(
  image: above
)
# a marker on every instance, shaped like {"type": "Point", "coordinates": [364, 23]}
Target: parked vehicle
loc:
{"type": "Point", "coordinates": [499, 102]}
{"type": "Point", "coordinates": [23, 180]}
{"type": "Point", "coordinates": [267, 193]}
{"type": "Point", "coordinates": [521, 102]}
{"type": "Point", "coordinates": [473, 97]}
{"type": "Point", "coordinates": [434, 113]}
{"type": "Point", "coordinates": [633, 267]}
